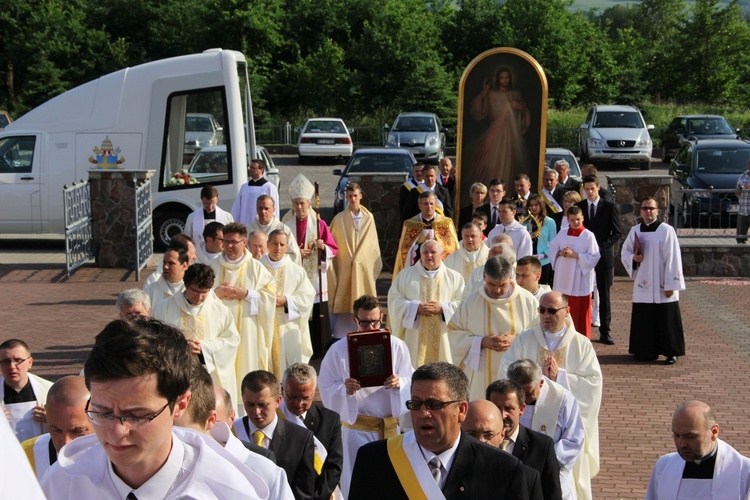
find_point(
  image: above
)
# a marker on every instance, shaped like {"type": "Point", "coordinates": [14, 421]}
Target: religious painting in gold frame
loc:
{"type": "Point", "coordinates": [502, 121]}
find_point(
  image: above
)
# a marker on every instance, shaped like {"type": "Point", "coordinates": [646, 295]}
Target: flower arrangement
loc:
{"type": "Point", "coordinates": [181, 178]}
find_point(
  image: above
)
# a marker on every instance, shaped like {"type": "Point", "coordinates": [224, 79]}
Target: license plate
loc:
{"type": "Point", "coordinates": [415, 151]}
{"type": "Point", "coordinates": [733, 209]}
{"type": "Point", "coordinates": [620, 157]}
{"type": "Point", "coordinates": [326, 141]}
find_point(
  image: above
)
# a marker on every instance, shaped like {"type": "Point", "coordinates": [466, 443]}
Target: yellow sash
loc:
{"type": "Point", "coordinates": [402, 466]}
{"type": "Point", "coordinates": [386, 427]}
{"type": "Point", "coordinates": [317, 460]}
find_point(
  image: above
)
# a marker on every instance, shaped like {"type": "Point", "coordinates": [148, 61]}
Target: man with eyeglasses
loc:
{"type": "Point", "coordinates": [297, 406]}
{"type": "Point", "coordinates": [652, 257]}
{"type": "Point", "coordinates": [133, 302]}
{"type": "Point", "coordinates": [23, 394]}
{"type": "Point", "coordinates": [244, 208]}
{"type": "Point", "coordinates": [484, 422]}
{"type": "Point", "coordinates": [246, 287]}
{"type": "Point", "coordinates": [210, 248]}
{"type": "Point", "coordinates": [138, 374]}
{"type": "Point", "coordinates": [436, 460]}
{"type": "Point", "coordinates": [568, 358]}
{"type": "Point", "coordinates": [267, 221]}
{"type": "Point", "coordinates": [534, 449]}
{"type": "Point", "coordinates": [208, 325]}
{"type": "Point", "coordinates": [487, 322]}
{"type": "Point", "coordinates": [367, 413]}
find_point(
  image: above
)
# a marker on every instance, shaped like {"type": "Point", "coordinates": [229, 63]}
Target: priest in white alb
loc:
{"type": "Point", "coordinates": [421, 303]}
{"type": "Point", "coordinates": [568, 358]}
{"type": "Point", "coordinates": [243, 209]}
{"type": "Point", "coordinates": [486, 323]}
{"type": "Point", "coordinates": [704, 466]}
{"type": "Point", "coordinates": [213, 241]}
{"type": "Point", "coordinates": [471, 253]}
{"type": "Point", "coordinates": [502, 246]}
{"type": "Point", "coordinates": [174, 265]}
{"type": "Point", "coordinates": [294, 301]}
{"type": "Point", "coordinates": [207, 213]}
{"type": "Point", "coordinates": [267, 221]}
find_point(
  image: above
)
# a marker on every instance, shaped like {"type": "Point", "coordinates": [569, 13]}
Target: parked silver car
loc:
{"type": "Point", "coordinates": [201, 130]}
{"type": "Point", "coordinates": [615, 134]}
{"type": "Point", "coordinates": [421, 133]}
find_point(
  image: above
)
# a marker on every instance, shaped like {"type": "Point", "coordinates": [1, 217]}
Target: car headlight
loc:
{"type": "Point", "coordinates": [432, 139]}
{"type": "Point", "coordinates": [596, 143]}
{"type": "Point", "coordinates": [391, 139]}
{"type": "Point", "coordinates": [643, 143]}
{"type": "Point", "coordinates": [702, 194]}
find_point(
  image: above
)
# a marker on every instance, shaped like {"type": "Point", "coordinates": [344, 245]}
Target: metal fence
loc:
{"type": "Point", "coordinates": [705, 213]}
{"type": "Point", "coordinates": [144, 227]}
{"type": "Point", "coordinates": [79, 247]}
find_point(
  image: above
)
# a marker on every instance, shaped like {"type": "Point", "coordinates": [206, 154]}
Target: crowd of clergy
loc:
{"type": "Point", "coordinates": [489, 331]}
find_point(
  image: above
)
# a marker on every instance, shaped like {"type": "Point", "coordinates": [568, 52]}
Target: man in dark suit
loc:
{"type": "Point", "coordinates": [406, 188]}
{"type": "Point", "coordinates": [553, 194]}
{"type": "Point", "coordinates": [532, 448]}
{"type": "Point", "coordinates": [496, 192]}
{"type": "Point", "coordinates": [590, 169]}
{"type": "Point", "coordinates": [447, 177]}
{"type": "Point", "coordinates": [225, 413]}
{"type": "Point", "coordinates": [292, 444]}
{"type": "Point", "coordinates": [429, 183]}
{"type": "Point", "coordinates": [602, 218]}
{"type": "Point", "coordinates": [564, 179]}
{"type": "Point", "coordinates": [522, 185]}
{"type": "Point", "coordinates": [443, 461]}
{"type": "Point", "coordinates": [298, 390]}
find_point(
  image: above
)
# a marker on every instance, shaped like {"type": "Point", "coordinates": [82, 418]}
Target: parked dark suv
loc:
{"type": "Point", "coordinates": [698, 126]}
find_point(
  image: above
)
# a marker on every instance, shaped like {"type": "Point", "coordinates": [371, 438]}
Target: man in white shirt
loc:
{"type": "Point", "coordinates": [244, 208]}
{"type": "Point", "coordinates": [175, 264]}
{"type": "Point", "coordinates": [510, 226]}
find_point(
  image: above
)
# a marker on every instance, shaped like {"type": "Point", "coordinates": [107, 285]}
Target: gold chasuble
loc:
{"type": "Point", "coordinates": [415, 232]}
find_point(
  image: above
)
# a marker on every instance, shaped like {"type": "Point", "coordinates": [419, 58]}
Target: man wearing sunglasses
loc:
{"type": "Point", "coordinates": [436, 460]}
{"type": "Point", "coordinates": [568, 358]}
{"type": "Point", "coordinates": [138, 374]}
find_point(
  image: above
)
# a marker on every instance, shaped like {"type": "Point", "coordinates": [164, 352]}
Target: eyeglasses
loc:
{"type": "Point", "coordinates": [550, 310]}
{"type": "Point", "coordinates": [13, 361]}
{"type": "Point", "coordinates": [106, 419]}
{"type": "Point", "coordinates": [220, 240]}
{"type": "Point", "coordinates": [430, 404]}
{"type": "Point", "coordinates": [366, 322]}
{"type": "Point", "coordinates": [483, 436]}
{"type": "Point", "coordinates": [231, 243]}
{"type": "Point", "coordinates": [649, 208]}
{"type": "Point", "coordinates": [198, 292]}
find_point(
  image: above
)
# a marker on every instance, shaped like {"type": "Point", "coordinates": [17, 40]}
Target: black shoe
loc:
{"type": "Point", "coordinates": [670, 360]}
{"type": "Point", "coordinates": [606, 339]}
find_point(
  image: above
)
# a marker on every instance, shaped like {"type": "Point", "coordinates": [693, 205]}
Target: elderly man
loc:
{"type": "Point", "coordinates": [208, 325]}
{"type": "Point", "coordinates": [522, 185]}
{"type": "Point", "coordinates": [294, 303]}
{"type": "Point", "coordinates": [297, 406]}
{"type": "Point", "coordinates": [550, 406]}
{"type": "Point", "coordinates": [367, 413]}
{"type": "Point", "coordinates": [704, 466]}
{"type": "Point", "coordinates": [564, 180]}
{"type": "Point", "coordinates": [174, 265]}
{"type": "Point", "coordinates": [484, 422]}
{"type": "Point", "coordinates": [534, 449]}
{"type": "Point", "coordinates": [502, 246]}
{"type": "Point", "coordinates": [552, 194]}
{"type": "Point", "coordinates": [266, 221]}
{"type": "Point", "coordinates": [444, 203]}
{"type": "Point", "coordinates": [471, 253]}
{"type": "Point", "coordinates": [568, 358]}
{"type": "Point", "coordinates": [133, 302]}
{"type": "Point", "coordinates": [528, 274]}
{"type": "Point", "coordinates": [245, 286]}
{"type": "Point", "coordinates": [210, 248]}
{"type": "Point", "coordinates": [421, 303]}
{"type": "Point", "coordinates": [427, 225]}
{"type": "Point", "coordinates": [510, 226]}
{"type": "Point", "coordinates": [66, 420]}
{"type": "Point", "coordinates": [447, 177]}
{"type": "Point", "coordinates": [23, 394]}
{"type": "Point", "coordinates": [209, 212]}
{"type": "Point", "coordinates": [651, 255]}
{"type": "Point", "coordinates": [486, 323]}
{"type": "Point", "coordinates": [257, 244]}
{"type": "Point", "coordinates": [244, 208]}
{"type": "Point", "coordinates": [357, 265]}
{"type": "Point", "coordinates": [435, 460]}
{"type": "Point", "coordinates": [406, 188]}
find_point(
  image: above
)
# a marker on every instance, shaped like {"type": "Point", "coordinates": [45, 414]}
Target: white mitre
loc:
{"type": "Point", "coordinates": [300, 187]}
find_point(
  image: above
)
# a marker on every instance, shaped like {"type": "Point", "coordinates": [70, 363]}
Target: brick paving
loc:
{"type": "Point", "coordinates": [59, 318]}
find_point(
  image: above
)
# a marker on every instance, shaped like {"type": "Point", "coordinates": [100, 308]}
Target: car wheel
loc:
{"type": "Point", "coordinates": [301, 159]}
{"type": "Point", "coordinates": [665, 158]}
{"type": "Point", "coordinates": [646, 165]}
{"type": "Point", "coordinates": [167, 225]}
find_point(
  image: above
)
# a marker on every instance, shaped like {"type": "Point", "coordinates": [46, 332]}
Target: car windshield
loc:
{"type": "Point", "coordinates": [618, 119]}
{"type": "Point", "coordinates": [722, 161]}
{"type": "Point", "coordinates": [209, 163]}
{"type": "Point", "coordinates": [414, 124]}
{"type": "Point", "coordinates": [710, 126]}
{"type": "Point", "coordinates": [363, 164]}
{"type": "Point", "coordinates": [198, 124]}
{"type": "Point", "coordinates": [325, 126]}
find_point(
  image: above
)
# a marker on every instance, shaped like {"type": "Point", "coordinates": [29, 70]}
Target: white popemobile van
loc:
{"type": "Point", "coordinates": [132, 119]}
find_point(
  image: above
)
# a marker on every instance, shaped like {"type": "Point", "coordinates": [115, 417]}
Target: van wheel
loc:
{"type": "Point", "coordinates": [167, 225]}
{"type": "Point", "coordinates": [646, 165]}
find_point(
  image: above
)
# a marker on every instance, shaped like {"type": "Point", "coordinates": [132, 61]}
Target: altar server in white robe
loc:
{"type": "Point", "coordinates": [367, 413]}
{"type": "Point", "coordinates": [138, 373]}
{"type": "Point", "coordinates": [421, 303]}
{"type": "Point", "coordinates": [246, 287]}
{"type": "Point", "coordinates": [213, 242]}
{"type": "Point", "coordinates": [207, 213]}
{"type": "Point", "coordinates": [486, 323]}
{"type": "Point", "coordinates": [16, 475]}
{"type": "Point", "coordinates": [294, 301]}
{"type": "Point", "coordinates": [568, 358]}
{"type": "Point", "coordinates": [208, 325]}
{"type": "Point", "coordinates": [174, 265]}
{"type": "Point", "coordinates": [471, 253]}
{"type": "Point", "coordinates": [704, 466]}
{"type": "Point", "coordinates": [266, 221]}
{"type": "Point", "coordinates": [552, 410]}
{"type": "Point", "coordinates": [510, 226]}
{"type": "Point", "coordinates": [244, 208]}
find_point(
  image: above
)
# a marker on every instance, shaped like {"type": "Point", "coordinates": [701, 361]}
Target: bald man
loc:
{"type": "Point", "coordinates": [704, 466]}
{"type": "Point", "coordinates": [484, 422]}
{"type": "Point", "coordinates": [66, 420]}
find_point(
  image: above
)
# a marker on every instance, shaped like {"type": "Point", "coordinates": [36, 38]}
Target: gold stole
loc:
{"type": "Point", "coordinates": [402, 466]}
{"type": "Point", "coordinates": [276, 367]}
{"type": "Point", "coordinates": [560, 355]}
{"type": "Point", "coordinates": [239, 314]}
{"type": "Point", "coordinates": [512, 320]}
{"type": "Point", "coordinates": [429, 326]}
{"type": "Point", "coordinates": [469, 266]}
{"type": "Point", "coordinates": [193, 327]}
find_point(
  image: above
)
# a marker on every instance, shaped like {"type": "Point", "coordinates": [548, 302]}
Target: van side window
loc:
{"type": "Point", "coordinates": [195, 150]}
{"type": "Point", "coordinates": [17, 154]}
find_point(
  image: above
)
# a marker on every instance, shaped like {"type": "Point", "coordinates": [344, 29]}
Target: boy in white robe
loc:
{"type": "Point", "coordinates": [508, 224]}
{"type": "Point", "coordinates": [207, 213]}
{"type": "Point", "coordinates": [471, 253]}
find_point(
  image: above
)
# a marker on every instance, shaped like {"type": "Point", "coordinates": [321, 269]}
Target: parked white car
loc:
{"type": "Point", "coordinates": [324, 137]}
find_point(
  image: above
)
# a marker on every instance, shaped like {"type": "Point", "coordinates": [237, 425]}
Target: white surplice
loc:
{"type": "Point", "coordinates": [40, 387]}
{"type": "Point", "coordinates": [196, 222]}
{"type": "Point", "coordinates": [245, 207]}
{"type": "Point", "coordinates": [16, 477]}
{"type": "Point", "coordinates": [518, 233]}
{"type": "Point", "coordinates": [204, 257]}
{"type": "Point", "coordinates": [464, 262]}
{"type": "Point", "coordinates": [162, 289]}
{"type": "Point", "coordinates": [292, 248]}
{"type": "Point", "coordinates": [574, 277]}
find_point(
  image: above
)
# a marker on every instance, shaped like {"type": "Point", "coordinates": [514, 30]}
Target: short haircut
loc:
{"type": "Point", "coordinates": [199, 275]}
{"type": "Point", "coordinates": [532, 261]}
{"type": "Point", "coordinates": [261, 163]}
{"type": "Point", "coordinates": [301, 373]}
{"type": "Point", "coordinates": [131, 297]}
{"type": "Point", "coordinates": [505, 386]}
{"type": "Point", "coordinates": [499, 239]}
{"type": "Point", "coordinates": [427, 194]}
{"type": "Point", "coordinates": [258, 380]}
{"type": "Point", "coordinates": [278, 232]}
{"type": "Point", "coordinates": [419, 165]}
{"type": "Point", "coordinates": [591, 178]}
{"type": "Point", "coordinates": [574, 210]}
{"type": "Point", "coordinates": [525, 372]}
{"type": "Point", "coordinates": [522, 177]}
{"type": "Point", "coordinates": [212, 229]}
{"type": "Point", "coordinates": [13, 343]}
{"type": "Point", "coordinates": [139, 347]}
{"type": "Point", "coordinates": [236, 228]}
{"type": "Point", "coordinates": [226, 398]}
{"type": "Point", "coordinates": [469, 226]}
{"type": "Point", "coordinates": [179, 241]}
{"type": "Point", "coordinates": [650, 198]}
{"type": "Point", "coordinates": [366, 303]}
{"type": "Point", "coordinates": [480, 215]}
{"type": "Point", "coordinates": [562, 163]}
{"type": "Point", "coordinates": [265, 197]}
{"type": "Point", "coordinates": [497, 182]}
{"type": "Point", "coordinates": [68, 392]}
{"type": "Point", "coordinates": [353, 186]}
{"type": "Point", "coordinates": [590, 168]}
{"type": "Point", "coordinates": [453, 376]}
{"type": "Point", "coordinates": [508, 202]}
{"type": "Point", "coordinates": [477, 186]}
{"type": "Point", "coordinates": [202, 399]}
{"type": "Point", "coordinates": [209, 192]}
{"type": "Point", "coordinates": [497, 268]}
{"type": "Point", "coordinates": [434, 243]}
{"type": "Point", "coordinates": [257, 232]}
{"type": "Point", "coordinates": [563, 298]}
{"type": "Point", "coordinates": [572, 195]}
{"type": "Point", "coordinates": [428, 167]}
{"type": "Point", "coordinates": [550, 171]}
{"type": "Point", "coordinates": [182, 254]}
